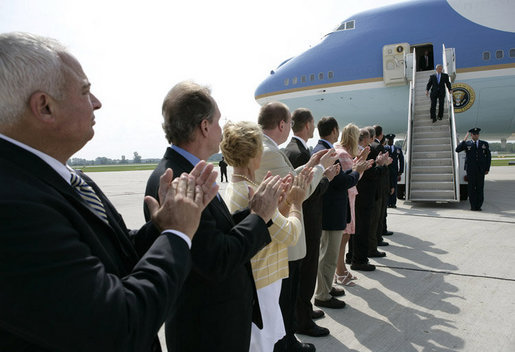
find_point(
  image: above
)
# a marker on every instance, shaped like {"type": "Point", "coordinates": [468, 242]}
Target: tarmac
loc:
{"type": "Point", "coordinates": [446, 284]}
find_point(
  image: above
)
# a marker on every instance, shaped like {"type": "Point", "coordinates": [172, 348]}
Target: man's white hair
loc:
{"type": "Point", "coordinates": [28, 63]}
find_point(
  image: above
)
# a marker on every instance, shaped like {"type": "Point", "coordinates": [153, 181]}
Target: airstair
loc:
{"type": "Point", "coordinates": [432, 165]}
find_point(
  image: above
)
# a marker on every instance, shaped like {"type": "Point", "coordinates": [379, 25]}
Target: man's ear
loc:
{"type": "Point", "coordinates": [281, 125]}
{"type": "Point", "coordinates": [204, 127]}
{"type": "Point", "coordinates": [41, 106]}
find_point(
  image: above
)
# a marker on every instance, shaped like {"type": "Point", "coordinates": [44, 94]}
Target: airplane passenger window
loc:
{"type": "Point", "coordinates": [303, 79]}
{"type": "Point", "coordinates": [287, 82]}
{"type": "Point", "coordinates": [512, 52]}
{"type": "Point", "coordinates": [486, 55]}
{"type": "Point", "coordinates": [294, 80]}
{"type": "Point", "coordinates": [330, 74]}
{"type": "Point", "coordinates": [321, 76]}
{"type": "Point", "coordinates": [312, 77]}
{"type": "Point", "coordinates": [499, 54]}
{"type": "Point", "coordinates": [349, 25]}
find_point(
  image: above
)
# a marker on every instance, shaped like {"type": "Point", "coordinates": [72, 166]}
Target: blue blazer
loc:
{"type": "Point", "coordinates": [335, 205]}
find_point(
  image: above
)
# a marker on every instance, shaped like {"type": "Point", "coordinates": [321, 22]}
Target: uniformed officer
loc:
{"type": "Point", "coordinates": [477, 165]}
{"type": "Point", "coordinates": [396, 168]}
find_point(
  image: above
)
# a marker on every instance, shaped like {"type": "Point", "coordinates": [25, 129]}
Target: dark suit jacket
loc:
{"type": "Point", "coordinates": [311, 207]}
{"type": "Point", "coordinates": [369, 185]}
{"type": "Point", "coordinates": [438, 89]}
{"type": "Point", "coordinates": [219, 300]}
{"type": "Point", "coordinates": [69, 281]}
{"type": "Point", "coordinates": [476, 159]}
{"type": "Point", "coordinates": [335, 206]}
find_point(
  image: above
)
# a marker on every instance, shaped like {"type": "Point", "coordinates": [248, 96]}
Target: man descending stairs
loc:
{"type": "Point", "coordinates": [432, 170]}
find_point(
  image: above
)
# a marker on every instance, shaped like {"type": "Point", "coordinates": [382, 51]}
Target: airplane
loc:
{"type": "Point", "coordinates": [364, 70]}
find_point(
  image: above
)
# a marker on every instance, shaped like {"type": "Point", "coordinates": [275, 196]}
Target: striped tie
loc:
{"type": "Point", "coordinates": [88, 195]}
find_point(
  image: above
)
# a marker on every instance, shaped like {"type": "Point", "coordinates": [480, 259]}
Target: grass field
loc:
{"type": "Point", "coordinates": [127, 167]}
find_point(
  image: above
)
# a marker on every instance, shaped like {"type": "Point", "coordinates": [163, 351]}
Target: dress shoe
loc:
{"type": "Point", "coordinates": [317, 314]}
{"type": "Point", "coordinates": [440, 117]}
{"type": "Point", "coordinates": [434, 120]}
{"type": "Point", "coordinates": [348, 261]}
{"type": "Point", "coordinates": [337, 292]}
{"type": "Point", "coordinates": [392, 206]}
{"type": "Point", "coordinates": [383, 244]}
{"type": "Point", "coordinates": [377, 254]}
{"type": "Point", "coordinates": [332, 303]}
{"type": "Point", "coordinates": [363, 267]}
{"type": "Point", "coordinates": [302, 347]}
{"type": "Point", "coordinates": [388, 233]}
{"type": "Point", "coordinates": [315, 331]}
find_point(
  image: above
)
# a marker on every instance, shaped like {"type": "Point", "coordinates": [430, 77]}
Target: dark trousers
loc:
{"type": "Point", "coordinates": [375, 223]}
{"type": "Point", "coordinates": [392, 198]}
{"type": "Point", "coordinates": [381, 227]}
{"type": "Point", "coordinates": [441, 100]}
{"type": "Point", "coordinates": [287, 301]}
{"type": "Point", "coordinates": [308, 278]}
{"type": "Point", "coordinates": [223, 172]}
{"type": "Point", "coordinates": [476, 184]}
{"type": "Point", "coordinates": [363, 211]}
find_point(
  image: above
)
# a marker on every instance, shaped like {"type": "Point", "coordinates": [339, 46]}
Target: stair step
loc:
{"type": "Point", "coordinates": [432, 186]}
{"type": "Point", "coordinates": [429, 155]}
{"type": "Point", "coordinates": [429, 148]}
{"type": "Point", "coordinates": [425, 177]}
{"type": "Point", "coordinates": [432, 162]}
{"type": "Point", "coordinates": [431, 169]}
{"type": "Point", "coordinates": [432, 195]}
{"type": "Point", "coordinates": [433, 127]}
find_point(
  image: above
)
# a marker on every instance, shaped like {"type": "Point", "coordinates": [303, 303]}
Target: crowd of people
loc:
{"type": "Point", "coordinates": [233, 276]}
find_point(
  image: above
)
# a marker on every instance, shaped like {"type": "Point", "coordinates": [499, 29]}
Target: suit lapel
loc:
{"type": "Point", "coordinates": [216, 204]}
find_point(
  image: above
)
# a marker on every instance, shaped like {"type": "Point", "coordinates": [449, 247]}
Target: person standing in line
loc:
{"type": "Point", "coordinates": [298, 153]}
{"type": "Point", "coordinates": [437, 83]}
{"type": "Point", "coordinates": [348, 150]}
{"type": "Point", "coordinates": [275, 120]}
{"type": "Point", "coordinates": [477, 165]}
{"type": "Point", "coordinates": [218, 303]}
{"type": "Point", "coordinates": [223, 170]}
{"type": "Point", "coordinates": [72, 276]}
{"type": "Point", "coordinates": [396, 168]}
{"type": "Point", "coordinates": [242, 143]}
{"type": "Point", "coordinates": [336, 215]}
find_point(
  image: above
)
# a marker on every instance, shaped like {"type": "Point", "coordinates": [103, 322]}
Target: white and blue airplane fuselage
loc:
{"type": "Point", "coordinates": [342, 76]}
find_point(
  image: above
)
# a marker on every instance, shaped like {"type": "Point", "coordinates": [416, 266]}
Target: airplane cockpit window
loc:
{"type": "Point", "coordinates": [486, 55]}
{"type": "Point", "coordinates": [347, 25]}
{"type": "Point", "coordinates": [512, 52]}
{"type": "Point", "coordinates": [499, 54]}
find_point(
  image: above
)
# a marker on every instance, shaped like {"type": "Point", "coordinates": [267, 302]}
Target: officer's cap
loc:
{"type": "Point", "coordinates": [475, 130]}
{"type": "Point", "coordinates": [390, 136]}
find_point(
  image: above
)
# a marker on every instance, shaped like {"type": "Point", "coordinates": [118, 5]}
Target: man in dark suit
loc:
{"type": "Point", "coordinates": [223, 170]}
{"type": "Point", "coordinates": [297, 152]}
{"type": "Point", "coordinates": [335, 216]}
{"type": "Point", "coordinates": [396, 168]}
{"type": "Point", "coordinates": [425, 62]}
{"type": "Point", "coordinates": [437, 83]}
{"type": "Point", "coordinates": [218, 302]}
{"type": "Point", "coordinates": [477, 165]}
{"type": "Point", "coordinates": [73, 277]}
{"type": "Point", "coordinates": [368, 196]}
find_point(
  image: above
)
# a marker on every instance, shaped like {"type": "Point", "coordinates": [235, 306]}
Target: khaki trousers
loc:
{"type": "Point", "coordinates": [329, 250]}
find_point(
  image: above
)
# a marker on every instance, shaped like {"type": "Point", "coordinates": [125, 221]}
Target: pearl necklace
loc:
{"type": "Point", "coordinates": [246, 179]}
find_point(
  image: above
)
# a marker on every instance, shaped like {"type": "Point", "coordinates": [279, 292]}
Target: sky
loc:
{"type": "Point", "coordinates": [134, 52]}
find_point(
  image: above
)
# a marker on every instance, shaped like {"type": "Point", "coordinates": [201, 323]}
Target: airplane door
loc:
{"type": "Point", "coordinates": [450, 59]}
{"type": "Point", "coordinates": [393, 63]}
{"type": "Point", "coordinates": [409, 61]}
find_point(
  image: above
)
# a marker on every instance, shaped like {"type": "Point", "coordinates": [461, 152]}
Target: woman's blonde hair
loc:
{"type": "Point", "coordinates": [349, 139]}
{"type": "Point", "coordinates": [241, 142]}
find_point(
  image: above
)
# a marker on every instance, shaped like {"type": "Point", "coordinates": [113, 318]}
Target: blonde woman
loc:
{"type": "Point", "coordinates": [242, 148]}
{"type": "Point", "coordinates": [347, 149]}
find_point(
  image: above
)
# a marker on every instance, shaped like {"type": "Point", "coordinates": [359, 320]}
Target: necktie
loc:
{"type": "Point", "coordinates": [88, 195]}
{"type": "Point", "coordinates": [438, 78]}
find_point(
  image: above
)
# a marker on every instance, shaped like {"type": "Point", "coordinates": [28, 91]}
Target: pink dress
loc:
{"type": "Point", "coordinates": [346, 163]}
